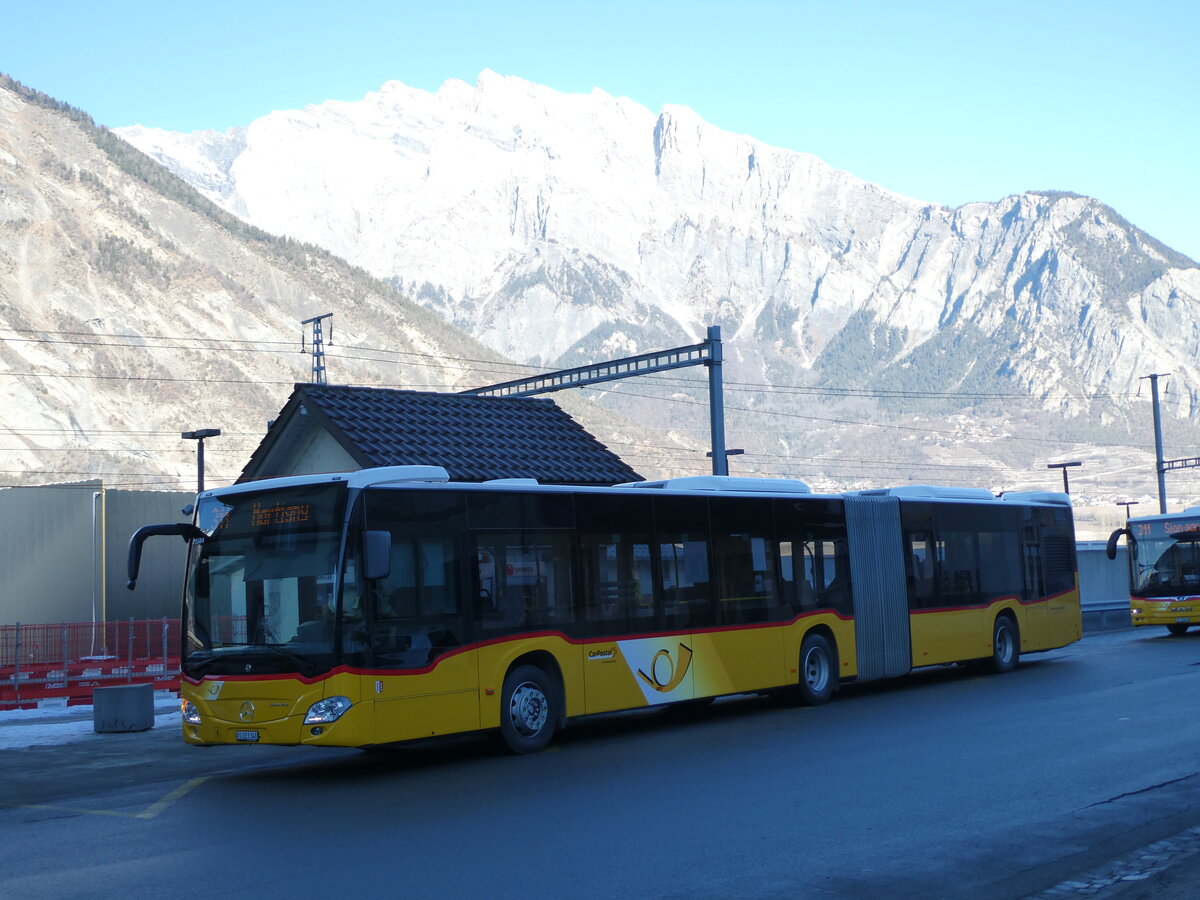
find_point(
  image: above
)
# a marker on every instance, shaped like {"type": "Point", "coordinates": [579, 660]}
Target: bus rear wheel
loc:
{"type": "Point", "coordinates": [527, 714]}
{"type": "Point", "coordinates": [1006, 645]}
{"type": "Point", "coordinates": [818, 674]}
{"type": "Point", "coordinates": [1178, 628]}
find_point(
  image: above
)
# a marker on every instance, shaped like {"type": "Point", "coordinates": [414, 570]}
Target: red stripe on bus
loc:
{"type": "Point", "coordinates": [647, 635]}
{"type": "Point", "coordinates": [504, 639]}
{"type": "Point", "coordinates": [991, 603]}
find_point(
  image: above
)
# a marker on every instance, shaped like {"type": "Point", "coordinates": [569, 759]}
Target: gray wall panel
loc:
{"type": "Point", "coordinates": [1103, 582]}
{"type": "Point", "coordinates": [46, 548]}
{"type": "Point", "coordinates": [63, 552]}
{"type": "Point", "coordinates": [160, 583]}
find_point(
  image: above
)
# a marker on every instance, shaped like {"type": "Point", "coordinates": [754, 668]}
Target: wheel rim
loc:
{"type": "Point", "coordinates": [1004, 643]}
{"type": "Point", "coordinates": [528, 709]}
{"type": "Point", "coordinates": [816, 670]}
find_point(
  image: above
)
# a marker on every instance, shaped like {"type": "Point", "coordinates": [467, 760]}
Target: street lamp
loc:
{"type": "Point", "coordinates": [1064, 466]}
{"type": "Point", "coordinates": [1127, 504]}
{"type": "Point", "coordinates": [198, 437]}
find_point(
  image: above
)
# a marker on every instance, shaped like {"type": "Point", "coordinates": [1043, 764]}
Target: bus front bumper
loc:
{"type": "Point", "coordinates": [332, 722]}
{"type": "Point", "coordinates": [1151, 612]}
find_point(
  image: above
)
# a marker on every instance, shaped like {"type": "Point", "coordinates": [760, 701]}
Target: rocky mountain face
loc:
{"type": "Point", "coordinates": [131, 309]}
{"type": "Point", "coordinates": [562, 229]}
{"type": "Point", "coordinates": [558, 229]}
{"type": "Point", "coordinates": [870, 339]}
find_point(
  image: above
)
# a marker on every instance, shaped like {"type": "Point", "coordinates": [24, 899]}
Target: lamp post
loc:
{"type": "Point", "coordinates": [728, 453]}
{"type": "Point", "coordinates": [1064, 466]}
{"type": "Point", "coordinates": [198, 437]}
{"type": "Point", "coordinates": [99, 570]}
{"type": "Point", "coordinates": [1127, 504]}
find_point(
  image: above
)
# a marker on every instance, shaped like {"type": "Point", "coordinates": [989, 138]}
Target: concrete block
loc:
{"type": "Point", "coordinates": [122, 708]}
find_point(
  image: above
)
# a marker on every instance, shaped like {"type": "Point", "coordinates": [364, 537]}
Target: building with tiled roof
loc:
{"type": "Point", "coordinates": [331, 428]}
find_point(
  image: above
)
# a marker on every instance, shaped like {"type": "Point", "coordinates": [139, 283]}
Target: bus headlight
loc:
{"type": "Point", "coordinates": [191, 715]}
{"type": "Point", "coordinates": [328, 710]}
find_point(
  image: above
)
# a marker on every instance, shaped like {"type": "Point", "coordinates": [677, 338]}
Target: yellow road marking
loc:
{"type": "Point", "coordinates": [155, 808]}
{"type": "Point", "coordinates": [148, 813]}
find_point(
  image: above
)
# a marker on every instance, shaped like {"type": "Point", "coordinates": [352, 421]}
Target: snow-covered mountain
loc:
{"type": "Point", "coordinates": [132, 310]}
{"type": "Point", "coordinates": [870, 339]}
{"type": "Point", "coordinates": [561, 228]}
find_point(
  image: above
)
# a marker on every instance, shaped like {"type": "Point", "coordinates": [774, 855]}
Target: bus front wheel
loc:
{"type": "Point", "coordinates": [1006, 645]}
{"type": "Point", "coordinates": [818, 675]}
{"type": "Point", "coordinates": [527, 714]}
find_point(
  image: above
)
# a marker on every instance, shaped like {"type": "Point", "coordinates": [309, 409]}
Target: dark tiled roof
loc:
{"type": "Point", "coordinates": [474, 438]}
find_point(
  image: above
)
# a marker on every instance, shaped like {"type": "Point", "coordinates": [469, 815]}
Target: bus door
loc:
{"type": "Point", "coordinates": [622, 670]}
{"type": "Point", "coordinates": [881, 626]}
{"type": "Point", "coordinates": [417, 618]}
{"type": "Point", "coordinates": [1057, 620]}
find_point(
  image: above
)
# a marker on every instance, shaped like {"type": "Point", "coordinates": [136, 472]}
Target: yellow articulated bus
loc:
{"type": "Point", "coordinates": [388, 604]}
{"type": "Point", "coordinates": [1164, 568]}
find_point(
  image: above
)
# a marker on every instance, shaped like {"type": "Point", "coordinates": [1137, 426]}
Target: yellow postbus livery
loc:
{"type": "Point", "coordinates": [1164, 568]}
{"type": "Point", "coordinates": [388, 604]}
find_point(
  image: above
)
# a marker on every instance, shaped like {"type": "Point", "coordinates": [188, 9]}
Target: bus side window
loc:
{"type": "Point", "coordinates": [819, 577]}
{"type": "Point", "coordinates": [502, 577]}
{"type": "Point", "coordinates": [1033, 587]}
{"type": "Point", "coordinates": [799, 566]}
{"type": "Point", "coordinates": [617, 585]}
{"type": "Point", "coordinates": [552, 595]}
{"type": "Point", "coordinates": [743, 546]}
{"type": "Point", "coordinates": [682, 545]}
{"type": "Point", "coordinates": [999, 555]}
{"type": "Point", "coordinates": [922, 590]}
{"type": "Point", "coordinates": [1189, 566]}
{"type": "Point", "coordinates": [397, 594]}
{"type": "Point", "coordinates": [614, 546]}
{"type": "Point", "coordinates": [530, 579]}
{"type": "Point", "coordinates": [814, 556]}
{"type": "Point", "coordinates": [415, 614]}
{"type": "Point", "coordinates": [958, 569]}
{"type": "Point", "coordinates": [833, 589]}
{"type": "Point", "coordinates": [685, 583]}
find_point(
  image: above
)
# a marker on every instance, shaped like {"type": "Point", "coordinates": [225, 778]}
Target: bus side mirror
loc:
{"type": "Point", "coordinates": [377, 555]}
{"type": "Point", "coordinates": [1111, 549]}
{"type": "Point", "coordinates": [185, 530]}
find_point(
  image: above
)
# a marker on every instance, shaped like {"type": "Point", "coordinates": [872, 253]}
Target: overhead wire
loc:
{"type": "Point", "coordinates": [424, 360]}
{"type": "Point", "coordinates": [851, 422]}
{"type": "Point", "coordinates": [618, 388]}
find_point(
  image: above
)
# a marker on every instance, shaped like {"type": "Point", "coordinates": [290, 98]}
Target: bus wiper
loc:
{"type": "Point", "coordinates": [193, 665]}
{"type": "Point", "coordinates": [302, 665]}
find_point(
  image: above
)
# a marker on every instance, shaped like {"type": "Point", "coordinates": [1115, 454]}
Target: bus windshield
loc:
{"type": "Point", "coordinates": [1167, 562]}
{"type": "Point", "coordinates": [260, 592]}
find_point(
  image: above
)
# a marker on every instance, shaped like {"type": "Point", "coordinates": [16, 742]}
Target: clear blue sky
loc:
{"type": "Point", "coordinates": [945, 102]}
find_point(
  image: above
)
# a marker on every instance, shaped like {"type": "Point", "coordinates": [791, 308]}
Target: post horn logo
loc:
{"type": "Point", "coordinates": [665, 674]}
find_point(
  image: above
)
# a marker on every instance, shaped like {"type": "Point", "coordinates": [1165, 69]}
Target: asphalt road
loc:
{"type": "Point", "coordinates": [1076, 775]}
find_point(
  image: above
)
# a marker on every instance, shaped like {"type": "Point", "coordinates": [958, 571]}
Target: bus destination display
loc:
{"type": "Point", "coordinates": [263, 515]}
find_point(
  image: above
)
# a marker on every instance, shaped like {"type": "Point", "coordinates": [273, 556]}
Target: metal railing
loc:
{"type": "Point", "coordinates": [69, 659]}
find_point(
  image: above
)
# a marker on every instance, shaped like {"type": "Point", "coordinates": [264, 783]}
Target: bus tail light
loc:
{"type": "Point", "coordinates": [328, 710]}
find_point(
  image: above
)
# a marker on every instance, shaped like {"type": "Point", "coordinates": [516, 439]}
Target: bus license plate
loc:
{"type": "Point", "coordinates": [1183, 619]}
{"type": "Point", "coordinates": [251, 736]}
